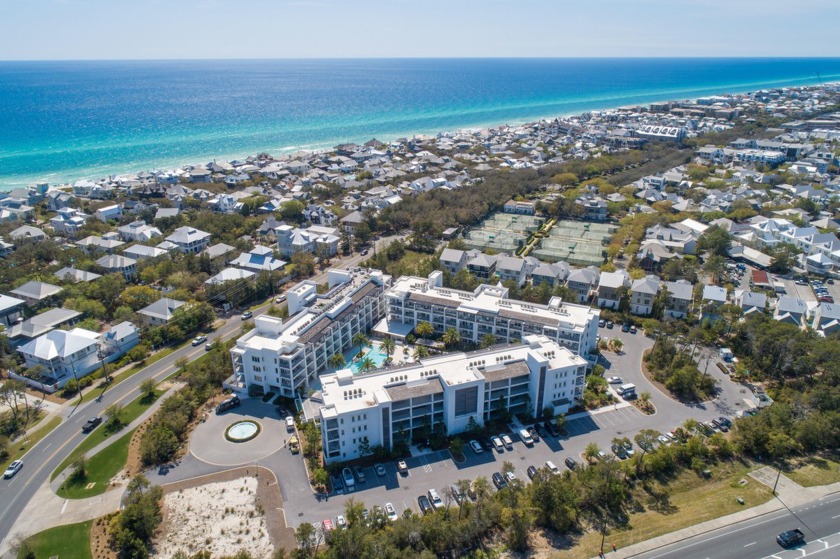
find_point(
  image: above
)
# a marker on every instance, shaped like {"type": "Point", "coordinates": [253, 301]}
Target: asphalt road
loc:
{"type": "Point", "coordinates": [45, 456]}
{"type": "Point", "coordinates": [756, 538]}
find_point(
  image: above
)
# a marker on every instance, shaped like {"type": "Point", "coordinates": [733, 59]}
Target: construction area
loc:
{"type": "Point", "coordinates": [502, 232]}
{"type": "Point", "coordinates": [579, 243]}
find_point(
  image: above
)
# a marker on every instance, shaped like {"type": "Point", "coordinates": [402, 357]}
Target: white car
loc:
{"type": "Point", "coordinates": [615, 380]}
{"type": "Point", "coordinates": [510, 477]}
{"type": "Point", "coordinates": [390, 511]}
{"type": "Point", "coordinates": [290, 423]}
{"type": "Point", "coordinates": [199, 340]}
{"type": "Point", "coordinates": [476, 446]}
{"type": "Point", "coordinates": [340, 521]}
{"type": "Point", "coordinates": [13, 468]}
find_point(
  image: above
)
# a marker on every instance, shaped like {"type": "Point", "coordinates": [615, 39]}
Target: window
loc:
{"type": "Point", "coordinates": [255, 359]}
{"type": "Point", "coordinates": [466, 401]}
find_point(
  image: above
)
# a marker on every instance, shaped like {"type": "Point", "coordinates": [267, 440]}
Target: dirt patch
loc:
{"type": "Point", "coordinates": [99, 538]}
{"type": "Point", "coordinates": [267, 498]}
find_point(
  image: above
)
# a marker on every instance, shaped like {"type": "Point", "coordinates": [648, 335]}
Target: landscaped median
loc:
{"type": "Point", "coordinates": [100, 468]}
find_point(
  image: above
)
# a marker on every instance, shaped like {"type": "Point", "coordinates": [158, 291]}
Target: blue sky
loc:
{"type": "Point", "coordinates": [149, 29]}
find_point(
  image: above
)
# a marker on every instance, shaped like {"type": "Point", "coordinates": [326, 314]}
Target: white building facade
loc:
{"type": "Point", "coordinates": [448, 393]}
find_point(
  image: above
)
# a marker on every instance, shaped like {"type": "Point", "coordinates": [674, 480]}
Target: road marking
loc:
{"type": "Point", "coordinates": [835, 516]}
{"type": "Point", "coordinates": [64, 506]}
{"type": "Point", "coordinates": [749, 544]}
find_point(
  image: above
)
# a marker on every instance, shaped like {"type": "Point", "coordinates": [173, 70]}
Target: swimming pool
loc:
{"type": "Point", "coordinates": [375, 354]}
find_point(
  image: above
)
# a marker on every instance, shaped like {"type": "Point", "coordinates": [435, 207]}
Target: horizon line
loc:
{"type": "Point", "coordinates": [337, 58]}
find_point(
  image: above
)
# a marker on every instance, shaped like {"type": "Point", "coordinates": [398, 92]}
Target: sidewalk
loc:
{"type": "Point", "coordinates": [791, 493]}
{"type": "Point", "coordinates": [47, 510]}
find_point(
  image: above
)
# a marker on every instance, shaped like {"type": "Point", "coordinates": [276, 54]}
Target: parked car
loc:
{"type": "Point", "coordinates": [510, 476]}
{"type": "Point", "coordinates": [338, 485]}
{"type": "Point", "coordinates": [526, 437]}
{"type": "Point", "coordinates": [328, 525]}
{"type": "Point", "coordinates": [628, 448]}
{"type": "Point", "coordinates": [283, 413]}
{"type": "Point", "coordinates": [476, 446]}
{"type": "Point", "coordinates": [13, 468]}
{"type": "Point", "coordinates": [550, 429]}
{"type": "Point", "coordinates": [390, 512]}
{"type": "Point", "coordinates": [91, 424]}
{"type": "Point", "coordinates": [359, 473]}
{"type": "Point", "coordinates": [199, 340]}
{"type": "Point", "coordinates": [402, 467]}
{"type": "Point", "coordinates": [290, 423]}
{"type": "Point", "coordinates": [498, 444]}
{"type": "Point", "coordinates": [228, 404]}
{"type": "Point", "coordinates": [499, 480]}
{"type": "Point", "coordinates": [625, 327]}
{"type": "Point", "coordinates": [364, 252]}
{"type": "Point", "coordinates": [540, 429]}
{"type": "Point", "coordinates": [663, 440]}
{"type": "Point", "coordinates": [633, 329]}
{"type": "Point", "coordinates": [457, 494]}
{"type": "Point", "coordinates": [425, 505]}
{"type": "Point", "coordinates": [280, 299]}
{"type": "Point", "coordinates": [349, 480]}
{"type": "Point", "coordinates": [532, 431]}
{"type": "Point", "coordinates": [619, 451]}
{"type": "Point", "coordinates": [380, 470]}
{"type": "Point", "coordinates": [532, 472]}
{"type": "Point", "coordinates": [340, 521]}
{"type": "Point", "coordinates": [610, 325]}
{"type": "Point", "coordinates": [551, 467]}
{"type": "Point", "coordinates": [435, 499]}
{"type": "Point", "coordinates": [208, 346]}
{"type": "Point", "coordinates": [602, 323]}
{"type": "Point", "coordinates": [615, 380]}
{"type": "Point", "coordinates": [725, 421]}
{"type": "Point", "coordinates": [571, 463]}
{"type": "Point", "coordinates": [720, 425]}
{"type": "Point", "coordinates": [246, 315]}
{"type": "Point", "coordinates": [508, 442]}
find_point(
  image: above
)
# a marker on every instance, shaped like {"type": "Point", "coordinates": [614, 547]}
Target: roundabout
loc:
{"type": "Point", "coordinates": [241, 436]}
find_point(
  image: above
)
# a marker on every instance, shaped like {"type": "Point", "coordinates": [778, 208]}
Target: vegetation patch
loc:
{"type": "Point", "coordinates": [14, 450]}
{"type": "Point", "coordinates": [66, 542]}
{"type": "Point", "coordinates": [821, 469]}
{"type": "Point", "coordinates": [91, 477]}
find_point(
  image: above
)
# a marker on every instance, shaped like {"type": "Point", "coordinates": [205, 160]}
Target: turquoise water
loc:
{"type": "Point", "coordinates": [376, 354]}
{"type": "Point", "coordinates": [61, 121]}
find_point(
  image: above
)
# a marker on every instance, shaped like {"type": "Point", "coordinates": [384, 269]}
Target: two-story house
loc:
{"type": "Point", "coordinates": [678, 298]}
{"type": "Point", "coordinates": [610, 288]}
{"type": "Point", "coordinates": [642, 294]}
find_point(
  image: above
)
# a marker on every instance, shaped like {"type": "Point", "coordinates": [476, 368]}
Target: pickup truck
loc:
{"type": "Point", "coordinates": [91, 424]}
{"type": "Point", "coordinates": [790, 538]}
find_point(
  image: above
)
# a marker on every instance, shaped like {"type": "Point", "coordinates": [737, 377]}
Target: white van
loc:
{"type": "Point", "coordinates": [526, 437]}
{"type": "Point", "coordinates": [627, 390]}
{"type": "Point", "coordinates": [551, 467]}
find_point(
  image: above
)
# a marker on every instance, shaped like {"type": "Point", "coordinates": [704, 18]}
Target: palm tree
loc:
{"type": "Point", "coordinates": [451, 337]}
{"type": "Point", "coordinates": [388, 346]}
{"type": "Point", "coordinates": [487, 340]}
{"type": "Point", "coordinates": [424, 330]}
{"type": "Point", "coordinates": [360, 340]}
{"type": "Point", "coordinates": [420, 352]}
{"type": "Point", "coordinates": [337, 361]}
{"type": "Point", "coordinates": [367, 364]}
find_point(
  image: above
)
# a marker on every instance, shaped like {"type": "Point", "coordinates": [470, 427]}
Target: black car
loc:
{"type": "Point", "coordinates": [425, 505]}
{"type": "Point", "coordinates": [549, 427]}
{"type": "Point", "coordinates": [91, 424]}
{"type": "Point", "coordinates": [283, 413]}
{"type": "Point", "coordinates": [610, 325]}
{"type": "Point", "coordinates": [532, 472]}
{"type": "Point", "coordinates": [499, 480]}
{"type": "Point", "coordinates": [337, 484]}
{"type": "Point", "coordinates": [534, 434]}
{"type": "Point", "coordinates": [790, 538]}
{"type": "Point", "coordinates": [625, 327]}
{"type": "Point", "coordinates": [571, 463]}
{"type": "Point", "coordinates": [725, 421]}
{"type": "Point", "coordinates": [540, 430]}
{"type": "Point", "coordinates": [487, 444]}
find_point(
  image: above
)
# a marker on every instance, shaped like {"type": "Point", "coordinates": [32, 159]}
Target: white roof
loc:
{"type": "Point", "coordinates": [59, 343]}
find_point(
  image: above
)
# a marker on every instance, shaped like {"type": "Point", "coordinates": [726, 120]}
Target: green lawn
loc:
{"type": "Point", "coordinates": [22, 446]}
{"type": "Point", "coordinates": [65, 542]}
{"type": "Point", "coordinates": [116, 379]}
{"type": "Point", "coordinates": [130, 412]}
{"type": "Point", "coordinates": [101, 469]}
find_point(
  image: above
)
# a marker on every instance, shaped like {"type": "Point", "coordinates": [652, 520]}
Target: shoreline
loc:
{"type": "Point", "coordinates": [66, 178]}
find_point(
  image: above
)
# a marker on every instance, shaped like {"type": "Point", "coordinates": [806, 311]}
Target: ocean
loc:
{"type": "Point", "coordinates": [62, 121]}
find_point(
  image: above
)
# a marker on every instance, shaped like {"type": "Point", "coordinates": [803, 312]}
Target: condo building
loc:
{"type": "Point", "coordinates": [281, 356]}
{"type": "Point", "coordinates": [487, 310]}
{"type": "Point", "coordinates": [451, 392]}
